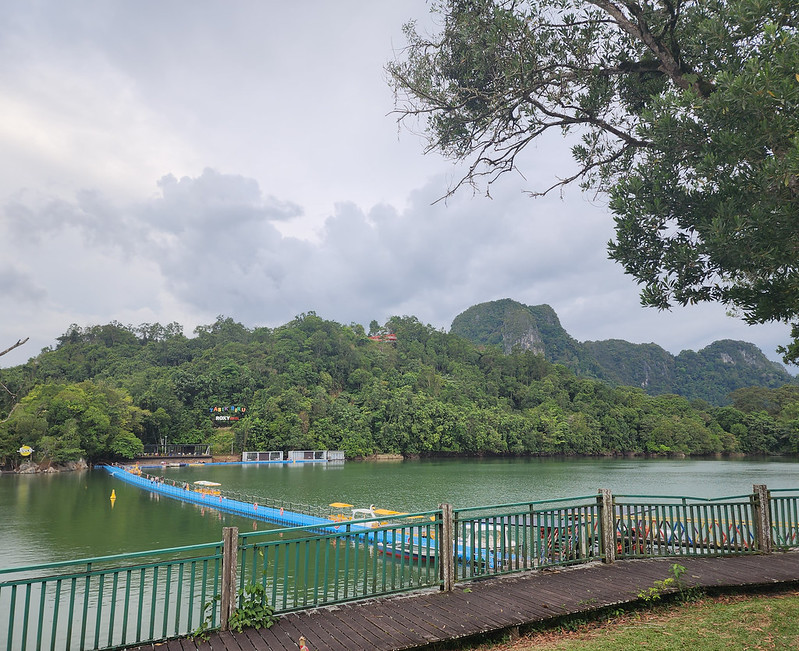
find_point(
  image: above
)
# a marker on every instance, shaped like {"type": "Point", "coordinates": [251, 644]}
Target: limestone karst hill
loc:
{"type": "Point", "coordinates": [710, 373]}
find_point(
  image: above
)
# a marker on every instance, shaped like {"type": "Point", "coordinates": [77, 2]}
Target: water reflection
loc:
{"type": "Point", "coordinates": [70, 515]}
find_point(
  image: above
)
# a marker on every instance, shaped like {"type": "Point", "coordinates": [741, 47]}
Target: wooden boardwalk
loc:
{"type": "Point", "coordinates": [421, 618]}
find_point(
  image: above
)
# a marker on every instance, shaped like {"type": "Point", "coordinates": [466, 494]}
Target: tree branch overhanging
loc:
{"type": "Point", "coordinates": [666, 55]}
{"type": "Point", "coordinates": [16, 345]}
{"type": "Point", "coordinates": [13, 395]}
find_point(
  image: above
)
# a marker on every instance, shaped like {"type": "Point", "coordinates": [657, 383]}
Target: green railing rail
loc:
{"type": "Point", "coordinates": [125, 599]}
{"type": "Point", "coordinates": [784, 512]}
{"type": "Point", "coordinates": [356, 559]}
{"type": "Point", "coordinates": [656, 526]}
{"type": "Point", "coordinates": [525, 535]}
{"type": "Point", "coordinates": [108, 601]}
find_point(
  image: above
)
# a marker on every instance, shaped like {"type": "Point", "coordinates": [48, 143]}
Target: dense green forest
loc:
{"type": "Point", "coordinates": [104, 391]}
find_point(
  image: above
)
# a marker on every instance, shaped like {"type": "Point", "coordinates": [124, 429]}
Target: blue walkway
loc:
{"type": "Point", "coordinates": [184, 492]}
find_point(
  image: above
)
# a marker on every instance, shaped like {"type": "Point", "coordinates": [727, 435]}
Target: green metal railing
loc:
{"type": "Point", "coordinates": [784, 512]}
{"type": "Point", "coordinates": [648, 526]}
{"type": "Point", "coordinates": [108, 601]}
{"type": "Point", "coordinates": [356, 559]}
{"type": "Point", "coordinates": [526, 535]}
{"type": "Point", "coordinates": [148, 596]}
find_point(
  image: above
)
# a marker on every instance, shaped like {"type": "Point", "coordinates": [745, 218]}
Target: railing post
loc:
{"type": "Point", "coordinates": [762, 513]}
{"type": "Point", "coordinates": [230, 552]}
{"type": "Point", "coordinates": [446, 530]}
{"type": "Point", "coordinates": [607, 525]}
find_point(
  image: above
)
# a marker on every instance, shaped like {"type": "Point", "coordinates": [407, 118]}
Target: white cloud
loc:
{"type": "Point", "coordinates": [210, 245]}
{"type": "Point", "coordinates": [174, 162]}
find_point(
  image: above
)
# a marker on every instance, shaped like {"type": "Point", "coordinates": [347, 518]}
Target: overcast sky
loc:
{"type": "Point", "coordinates": [175, 161]}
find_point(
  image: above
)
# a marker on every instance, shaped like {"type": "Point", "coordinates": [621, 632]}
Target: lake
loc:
{"type": "Point", "coordinates": [65, 516]}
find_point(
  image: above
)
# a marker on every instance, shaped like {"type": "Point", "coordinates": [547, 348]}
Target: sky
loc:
{"type": "Point", "coordinates": [177, 161]}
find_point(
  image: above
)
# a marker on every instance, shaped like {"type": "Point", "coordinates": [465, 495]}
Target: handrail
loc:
{"type": "Point", "coordinates": [364, 524]}
{"type": "Point", "coordinates": [559, 500]}
{"type": "Point", "coordinates": [114, 557]}
{"type": "Point", "coordinates": [684, 497]}
{"type": "Point", "coordinates": [105, 570]}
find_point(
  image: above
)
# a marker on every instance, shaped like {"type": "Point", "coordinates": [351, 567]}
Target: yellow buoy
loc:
{"type": "Point", "coordinates": [113, 497]}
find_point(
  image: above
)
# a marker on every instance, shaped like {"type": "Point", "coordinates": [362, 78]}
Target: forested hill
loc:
{"type": "Point", "coordinates": [105, 391]}
{"type": "Point", "coordinates": [710, 374]}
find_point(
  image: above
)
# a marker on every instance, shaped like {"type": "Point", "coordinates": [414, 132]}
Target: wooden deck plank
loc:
{"type": "Point", "coordinates": [244, 641]}
{"type": "Point", "coordinates": [179, 644]}
{"type": "Point", "coordinates": [465, 617]}
{"type": "Point", "coordinates": [202, 645]}
{"type": "Point", "coordinates": [266, 638]}
{"type": "Point", "coordinates": [419, 620]}
{"type": "Point", "coordinates": [499, 605]}
{"type": "Point", "coordinates": [285, 633]}
{"type": "Point", "coordinates": [317, 628]}
{"type": "Point", "coordinates": [408, 634]}
{"type": "Point", "coordinates": [415, 624]}
{"type": "Point", "coordinates": [514, 603]}
{"type": "Point", "coordinates": [296, 626]}
{"type": "Point", "coordinates": [447, 621]}
{"type": "Point", "coordinates": [722, 573]}
{"type": "Point", "coordinates": [229, 640]}
{"type": "Point", "coordinates": [434, 618]}
{"type": "Point", "coordinates": [345, 615]}
{"type": "Point", "coordinates": [435, 605]}
{"type": "Point", "coordinates": [443, 622]}
{"type": "Point", "coordinates": [353, 637]}
{"type": "Point", "coordinates": [379, 615]}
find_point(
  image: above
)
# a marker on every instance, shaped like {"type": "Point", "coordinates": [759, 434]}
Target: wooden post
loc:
{"type": "Point", "coordinates": [446, 530]}
{"type": "Point", "coordinates": [230, 553]}
{"type": "Point", "coordinates": [762, 513]}
{"type": "Point", "coordinates": [607, 525]}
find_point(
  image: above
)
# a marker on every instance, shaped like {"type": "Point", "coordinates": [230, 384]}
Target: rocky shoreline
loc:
{"type": "Point", "coordinates": [30, 468]}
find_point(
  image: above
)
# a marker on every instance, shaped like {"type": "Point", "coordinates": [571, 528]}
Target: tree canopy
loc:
{"type": "Point", "coordinates": [67, 422]}
{"type": "Point", "coordinates": [106, 391]}
{"type": "Point", "coordinates": [686, 112]}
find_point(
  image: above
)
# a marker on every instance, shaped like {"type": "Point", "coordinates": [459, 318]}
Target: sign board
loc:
{"type": "Point", "coordinates": [226, 415]}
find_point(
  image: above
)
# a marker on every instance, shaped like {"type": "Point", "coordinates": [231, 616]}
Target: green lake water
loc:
{"type": "Point", "coordinates": [66, 516]}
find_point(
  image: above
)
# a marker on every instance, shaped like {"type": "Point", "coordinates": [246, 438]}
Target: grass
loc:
{"type": "Point", "coordinates": [722, 623]}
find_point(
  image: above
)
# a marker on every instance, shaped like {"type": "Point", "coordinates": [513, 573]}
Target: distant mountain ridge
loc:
{"type": "Point", "coordinates": [709, 374]}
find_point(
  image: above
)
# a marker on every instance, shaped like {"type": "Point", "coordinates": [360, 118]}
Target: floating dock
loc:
{"type": "Point", "coordinates": [214, 499]}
